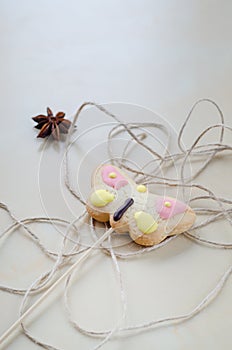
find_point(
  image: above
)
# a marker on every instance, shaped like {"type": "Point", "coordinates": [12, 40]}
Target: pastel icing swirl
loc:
{"type": "Point", "coordinates": [116, 180]}
{"type": "Point", "coordinates": [145, 222]}
{"type": "Point", "coordinates": [100, 198]}
{"type": "Point", "coordinates": [168, 207]}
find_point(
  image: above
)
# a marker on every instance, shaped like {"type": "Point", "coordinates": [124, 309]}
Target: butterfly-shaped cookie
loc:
{"type": "Point", "coordinates": [129, 207]}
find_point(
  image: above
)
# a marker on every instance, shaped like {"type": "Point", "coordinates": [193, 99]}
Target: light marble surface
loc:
{"type": "Point", "coordinates": [162, 55]}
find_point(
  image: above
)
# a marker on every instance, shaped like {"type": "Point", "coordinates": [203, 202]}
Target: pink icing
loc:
{"type": "Point", "coordinates": [118, 182]}
{"type": "Point", "coordinates": [176, 207]}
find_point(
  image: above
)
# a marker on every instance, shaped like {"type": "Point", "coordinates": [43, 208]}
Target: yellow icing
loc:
{"type": "Point", "coordinates": [112, 175]}
{"type": "Point", "coordinates": [168, 204]}
{"type": "Point", "coordinates": [141, 188]}
{"type": "Point", "coordinates": [145, 222]}
{"type": "Point", "coordinates": [100, 198]}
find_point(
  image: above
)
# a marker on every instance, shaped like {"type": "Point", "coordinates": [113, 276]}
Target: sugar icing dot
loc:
{"type": "Point", "coordinates": [141, 188]}
{"type": "Point", "coordinates": [112, 175]}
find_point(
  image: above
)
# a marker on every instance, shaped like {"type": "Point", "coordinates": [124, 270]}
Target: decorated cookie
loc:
{"type": "Point", "coordinates": [129, 207]}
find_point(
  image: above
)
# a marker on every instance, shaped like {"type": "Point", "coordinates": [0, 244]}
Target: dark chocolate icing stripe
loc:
{"type": "Point", "coordinates": [121, 210]}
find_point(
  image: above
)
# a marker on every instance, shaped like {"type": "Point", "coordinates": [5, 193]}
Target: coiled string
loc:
{"type": "Point", "coordinates": [219, 208]}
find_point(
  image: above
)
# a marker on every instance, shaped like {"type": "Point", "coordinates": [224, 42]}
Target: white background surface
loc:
{"type": "Point", "coordinates": [163, 55]}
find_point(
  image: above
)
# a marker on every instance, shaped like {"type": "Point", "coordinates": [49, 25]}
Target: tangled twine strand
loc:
{"type": "Point", "coordinates": [137, 134]}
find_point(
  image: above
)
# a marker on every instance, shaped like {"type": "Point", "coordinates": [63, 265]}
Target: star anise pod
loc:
{"type": "Point", "coordinates": [52, 125]}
